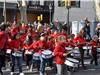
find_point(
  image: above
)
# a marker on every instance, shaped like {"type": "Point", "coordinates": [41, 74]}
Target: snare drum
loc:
{"type": "Point", "coordinates": [98, 50]}
{"type": "Point", "coordinates": [76, 48]}
{"type": "Point", "coordinates": [28, 52]}
{"type": "Point", "coordinates": [71, 62]}
{"type": "Point", "coordinates": [68, 48]}
{"type": "Point", "coordinates": [36, 56]}
{"type": "Point", "coordinates": [46, 54]}
{"type": "Point", "coordinates": [76, 53]}
{"type": "Point", "coordinates": [87, 47]}
{"type": "Point", "coordinates": [18, 54]}
{"type": "Point", "coordinates": [8, 51]}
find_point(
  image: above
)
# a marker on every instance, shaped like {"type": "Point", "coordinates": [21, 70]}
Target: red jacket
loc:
{"type": "Point", "coordinates": [81, 41]}
{"type": "Point", "coordinates": [14, 31]}
{"type": "Point", "coordinates": [58, 53]}
{"type": "Point", "coordinates": [3, 39]}
{"type": "Point", "coordinates": [93, 44]}
{"type": "Point", "coordinates": [41, 45]}
{"type": "Point", "coordinates": [9, 44]}
{"type": "Point", "coordinates": [16, 44]}
{"type": "Point", "coordinates": [50, 45]}
{"type": "Point", "coordinates": [34, 46]}
{"type": "Point", "coordinates": [71, 43]}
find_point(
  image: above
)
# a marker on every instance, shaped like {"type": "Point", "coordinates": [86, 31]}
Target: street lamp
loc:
{"type": "Point", "coordinates": [50, 10]}
{"type": "Point", "coordinates": [68, 6]}
{"type": "Point", "coordinates": [4, 11]}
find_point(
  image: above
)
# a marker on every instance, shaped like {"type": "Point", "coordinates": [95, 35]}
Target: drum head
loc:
{"type": "Point", "coordinates": [87, 47]}
{"type": "Point", "coordinates": [68, 48]}
{"type": "Point", "coordinates": [76, 51]}
{"type": "Point", "coordinates": [36, 54]}
{"type": "Point", "coordinates": [8, 51]}
{"type": "Point", "coordinates": [76, 48]}
{"type": "Point", "coordinates": [73, 60]}
{"type": "Point", "coordinates": [98, 49]}
{"type": "Point", "coordinates": [47, 52]}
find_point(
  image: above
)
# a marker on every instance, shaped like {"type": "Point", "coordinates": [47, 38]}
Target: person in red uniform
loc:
{"type": "Point", "coordinates": [71, 42]}
{"type": "Point", "coordinates": [60, 54]}
{"type": "Point", "coordinates": [42, 45]}
{"type": "Point", "coordinates": [3, 40]}
{"type": "Point", "coordinates": [14, 30]}
{"type": "Point", "coordinates": [94, 44]}
{"type": "Point", "coordinates": [80, 43]}
{"type": "Point", "coordinates": [64, 32]}
{"type": "Point", "coordinates": [24, 27]}
{"type": "Point", "coordinates": [34, 49]}
{"type": "Point", "coordinates": [16, 54]}
{"type": "Point", "coordinates": [28, 52]}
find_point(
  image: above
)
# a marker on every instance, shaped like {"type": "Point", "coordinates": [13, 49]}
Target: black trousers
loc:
{"type": "Point", "coordinates": [94, 58]}
{"type": "Point", "coordinates": [2, 62]}
{"type": "Point", "coordinates": [28, 59]}
{"type": "Point", "coordinates": [82, 57]}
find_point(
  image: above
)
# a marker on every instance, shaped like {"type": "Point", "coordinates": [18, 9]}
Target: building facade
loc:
{"type": "Point", "coordinates": [86, 9]}
{"type": "Point", "coordinates": [34, 9]}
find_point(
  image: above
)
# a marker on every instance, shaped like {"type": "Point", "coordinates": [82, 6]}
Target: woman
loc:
{"type": "Point", "coordinates": [80, 43]}
{"type": "Point", "coordinates": [28, 52]}
{"type": "Point", "coordinates": [60, 54]}
{"type": "Point", "coordinates": [16, 54]}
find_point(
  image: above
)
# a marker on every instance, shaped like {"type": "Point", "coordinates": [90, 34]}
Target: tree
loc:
{"type": "Point", "coordinates": [22, 4]}
{"type": "Point", "coordinates": [97, 5]}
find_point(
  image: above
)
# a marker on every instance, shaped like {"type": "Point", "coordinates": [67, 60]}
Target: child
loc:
{"type": "Point", "coordinates": [94, 44]}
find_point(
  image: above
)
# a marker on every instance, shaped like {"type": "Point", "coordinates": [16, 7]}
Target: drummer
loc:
{"type": "Point", "coordinates": [60, 54]}
{"type": "Point", "coordinates": [40, 46]}
{"type": "Point", "coordinates": [94, 44]}
{"type": "Point", "coordinates": [80, 43]}
{"type": "Point", "coordinates": [16, 45]}
{"type": "Point", "coordinates": [28, 52]}
{"type": "Point", "coordinates": [71, 42]}
{"type": "Point", "coordinates": [34, 48]}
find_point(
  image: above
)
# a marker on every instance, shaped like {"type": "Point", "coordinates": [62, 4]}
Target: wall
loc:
{"type": "Point", "coordinates": [76, 14]}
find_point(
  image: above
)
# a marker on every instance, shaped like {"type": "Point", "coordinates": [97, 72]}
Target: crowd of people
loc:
{"type": "Point", "coordinates": [19, 42]}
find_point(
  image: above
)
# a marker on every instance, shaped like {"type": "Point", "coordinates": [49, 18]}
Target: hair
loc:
{"type": "Point", "coordinates": [3, 27]}
{"type": "Point", "coordinates": [14, 37]}
{"type": "Point", "coordinates": [81, 33]}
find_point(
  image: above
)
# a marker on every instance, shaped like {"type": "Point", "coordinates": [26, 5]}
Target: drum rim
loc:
{"type": "Point", "coordinates": [72, 61]}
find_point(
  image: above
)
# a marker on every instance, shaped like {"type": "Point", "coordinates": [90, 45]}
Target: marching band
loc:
{"type": "Point", "coordinates": [23, 43]}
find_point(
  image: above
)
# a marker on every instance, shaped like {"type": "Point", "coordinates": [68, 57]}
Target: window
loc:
{"type": "Point", "coordinates": [47, 3]}
{"type": "Point", "coordinates": [61, 3]}
{"type": "Point", "coordinates": [34, 2]}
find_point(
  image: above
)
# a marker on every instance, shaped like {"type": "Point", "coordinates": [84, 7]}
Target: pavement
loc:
{"type": "Point", "coordinates": [90, 70]}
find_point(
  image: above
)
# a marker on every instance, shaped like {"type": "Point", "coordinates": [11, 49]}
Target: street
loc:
{"type": "Point", "coordinates": [90, 70]}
